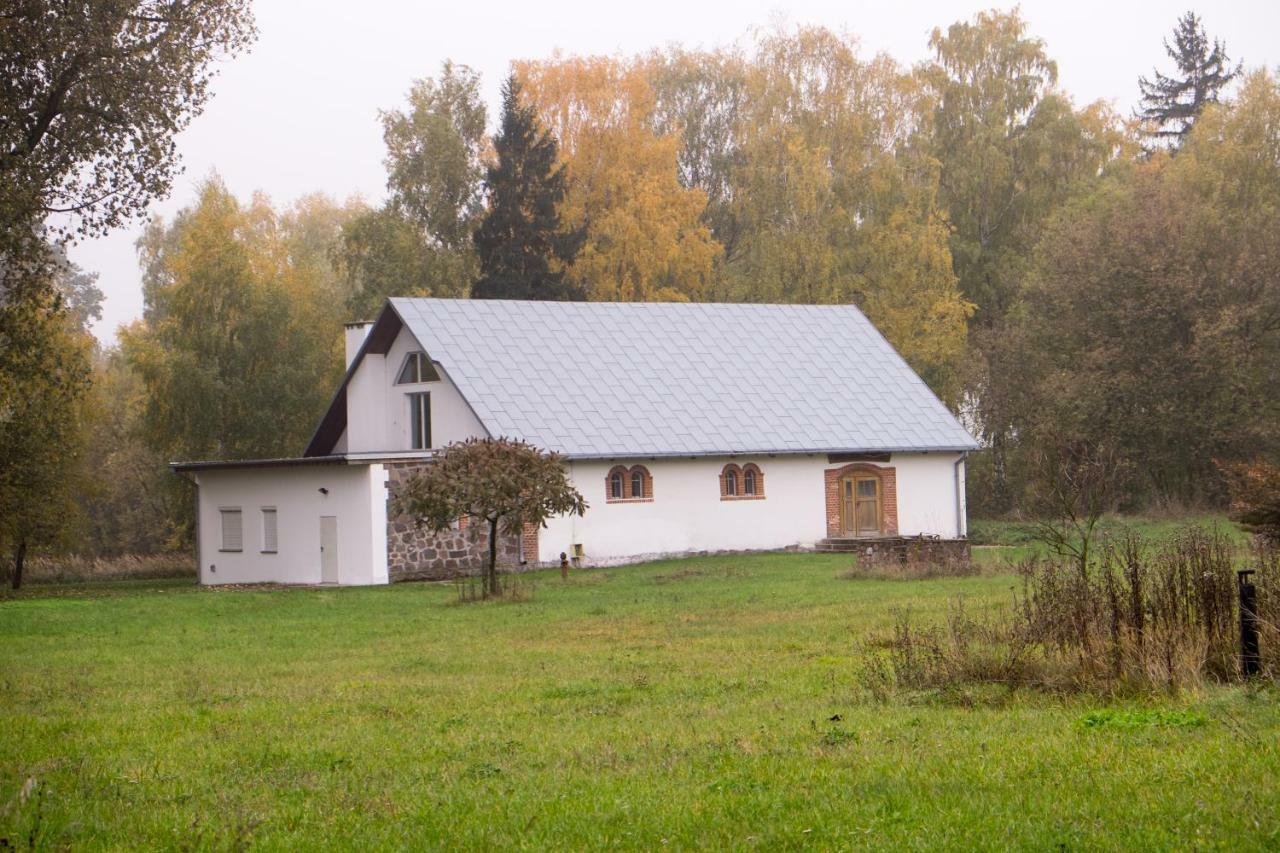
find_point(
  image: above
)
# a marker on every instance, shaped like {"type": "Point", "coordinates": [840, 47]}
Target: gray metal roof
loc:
{"type": "Point", "coordinates": [606, 379]}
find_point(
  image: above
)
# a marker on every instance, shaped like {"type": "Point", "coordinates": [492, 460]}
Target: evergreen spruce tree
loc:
{"type": "Point", "coordinates": [521, 233]}
{"type": "Point", "coordinates": [1170, 105]}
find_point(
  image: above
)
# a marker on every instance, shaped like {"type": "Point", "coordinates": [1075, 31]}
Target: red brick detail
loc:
{"type": "Point", "coordinates": [740, 481]}
{"type": "Point", "coordinates": [628, 478]}
{"type": "Point", "coordinates": [529, 543]}
{"type": "Point", "coordinates": [619, 472]}
{"type": "Point", "coordinates": [888, 495]}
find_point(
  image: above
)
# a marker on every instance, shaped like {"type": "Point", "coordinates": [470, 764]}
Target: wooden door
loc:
{"type": "Point", "coordinates": [328, 549]}
{"type": "Point", "coordinates": [860, 505]}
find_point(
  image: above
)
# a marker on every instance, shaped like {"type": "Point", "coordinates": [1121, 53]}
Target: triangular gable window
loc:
{"type": "Point", "coordinates": [417, 368]}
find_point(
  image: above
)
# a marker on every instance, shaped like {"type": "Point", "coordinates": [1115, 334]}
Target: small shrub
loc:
{"type": "Point", "coordinates": [835, 737]}
{"type": "Point", "coordinates": [1255, 497]}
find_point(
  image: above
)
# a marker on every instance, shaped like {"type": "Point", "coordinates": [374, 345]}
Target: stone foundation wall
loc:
{"type": "Point", "coordinates": [904, 549]}
{"type": "Point", "coordinates": [415, 553]}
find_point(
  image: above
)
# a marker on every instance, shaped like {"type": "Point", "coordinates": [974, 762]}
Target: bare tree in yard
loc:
{"type": "Point", "coordinates": [502, 483]}
{"type": "Point", "coordinates": [1073, 483]}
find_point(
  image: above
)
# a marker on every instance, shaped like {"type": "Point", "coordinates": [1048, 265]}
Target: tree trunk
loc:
{"type": "Point", "coordinates": [491, 577]}
{"type": "Point", "coordinates": [19, 558]}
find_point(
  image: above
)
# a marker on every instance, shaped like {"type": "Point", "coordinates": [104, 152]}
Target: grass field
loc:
{"type": "Point", "coordinates": [700, 703]}
{"type": "Point", "coordinates": [1022, 533]}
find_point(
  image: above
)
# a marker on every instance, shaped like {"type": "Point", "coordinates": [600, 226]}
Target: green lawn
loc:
{"type": "Point", "coordinates": [700, 703]}
{"type": "Point", "coordinates": [1021, 533]}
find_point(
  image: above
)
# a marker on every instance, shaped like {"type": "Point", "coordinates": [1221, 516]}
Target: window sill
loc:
{"type": "Point", "coordinates": [628, 500]}
{"type": "Point", "coordinates": [268, 552]}
{"type": "Point", "coordinates": [230, 550]}
{"type": "Point", "coordinates": [742, 497]}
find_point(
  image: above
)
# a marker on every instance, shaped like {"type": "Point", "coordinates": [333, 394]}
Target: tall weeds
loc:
{"type": "Point", "coordinates": [1140, 616]}
{"type": "Point", "coordinates": [78, 569]}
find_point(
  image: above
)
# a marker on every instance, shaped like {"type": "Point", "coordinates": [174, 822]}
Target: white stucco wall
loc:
{"type": "Point", "coordinates": [356, 497]}
{"type": "Point", "coordinates": [687, 514]}
{"type": "Point", "coordinates": [378, 408]}
{"type": "Point", "coordinates": [927, 494]}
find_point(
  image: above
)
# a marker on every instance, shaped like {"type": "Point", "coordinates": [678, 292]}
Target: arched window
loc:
{"type": "Point", "coordinates": [628, 484]}
{"type": "Point", "coordinates": [741, 482]}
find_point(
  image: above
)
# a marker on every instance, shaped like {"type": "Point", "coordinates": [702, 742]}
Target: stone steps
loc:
{"type": "Point", "coordinates": [848, 546]}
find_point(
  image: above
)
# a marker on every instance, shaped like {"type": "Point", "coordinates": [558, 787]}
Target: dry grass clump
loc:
{"type": "Point", "coordinates": [81, 569]}
{"type": "Point", "coordinates": [1265, 558]}
{"type": "Point", "coordinates": [1141, 617]}
{"type": "Point", "coordinates": [510, 587]}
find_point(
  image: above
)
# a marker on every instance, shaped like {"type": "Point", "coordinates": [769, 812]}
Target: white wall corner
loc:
{"type": "Point", "coordinates": [379, 570]}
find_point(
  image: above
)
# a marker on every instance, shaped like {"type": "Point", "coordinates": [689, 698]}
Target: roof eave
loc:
{"type": "Point", "coordinates": [818, 451]}
{"type": "Point", "coordinates": [283, 462]}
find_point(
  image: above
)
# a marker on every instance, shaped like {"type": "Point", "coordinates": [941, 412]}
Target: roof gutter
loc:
{"type": "Point", "coordinates": [815, 451]}
{"type": "Point", "coordinates": [181, 468]}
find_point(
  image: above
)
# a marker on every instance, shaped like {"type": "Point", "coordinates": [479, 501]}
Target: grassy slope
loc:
{"type": "Point", "coordinates": [683, 702]}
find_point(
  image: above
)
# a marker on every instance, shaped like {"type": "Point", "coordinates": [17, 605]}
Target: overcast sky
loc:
{"type": "Point", "coordinates": [299, 112]}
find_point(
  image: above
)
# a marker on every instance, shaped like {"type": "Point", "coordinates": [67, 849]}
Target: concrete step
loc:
{"type": "Point", "coordinates": [846, 546]}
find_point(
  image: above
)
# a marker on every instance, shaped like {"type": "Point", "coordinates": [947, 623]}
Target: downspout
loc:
{"type": "Point", "coordinates": [573, 518]}
{"type": "Point", "coordinates": [961, 529]}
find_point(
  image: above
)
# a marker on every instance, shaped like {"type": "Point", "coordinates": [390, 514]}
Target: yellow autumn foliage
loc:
{"type": "Point", "coordinates": [645, 237]}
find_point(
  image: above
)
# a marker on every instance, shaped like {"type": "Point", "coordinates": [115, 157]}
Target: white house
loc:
{"type": "Point", "coordinates": [687, 427]}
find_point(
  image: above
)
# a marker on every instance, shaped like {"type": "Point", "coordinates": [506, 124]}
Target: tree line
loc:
{"type": "Point", "coordinates": [1061, 275]}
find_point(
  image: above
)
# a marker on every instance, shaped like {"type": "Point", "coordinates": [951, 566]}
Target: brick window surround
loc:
{"type": "Point", "coordinates": [529, 543]}
{"type": "Point", "coordinates": [628, 477]}
{"type": "Point", "coordinates": [888, 495]}
{"type": "Point", "coordinates": [740, 475]}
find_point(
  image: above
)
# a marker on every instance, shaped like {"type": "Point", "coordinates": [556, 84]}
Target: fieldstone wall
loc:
{"type": "Point", "coordinates": [415, 553]}
{"type": "Point", "coordinates": [903, 548]}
